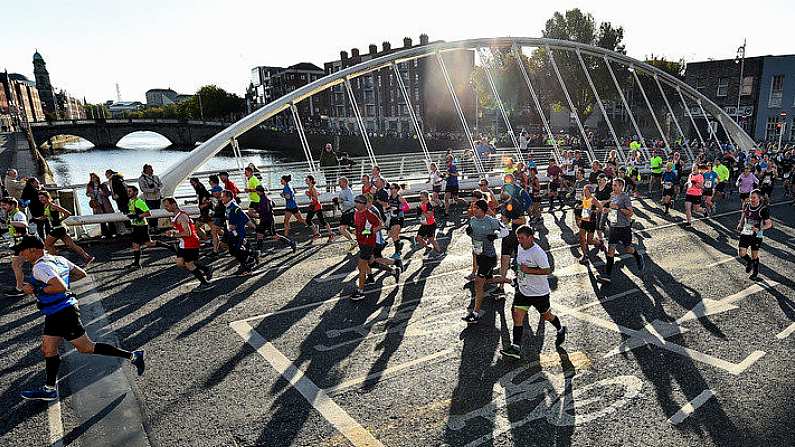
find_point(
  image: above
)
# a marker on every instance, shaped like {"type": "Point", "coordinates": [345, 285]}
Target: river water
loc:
{"type": "Point", "coordinates": [74, 164]}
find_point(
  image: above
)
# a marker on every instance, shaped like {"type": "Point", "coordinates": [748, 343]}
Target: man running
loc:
{"type": "Point", "coordinates": [532, 291]}
{"type": "Point", "coordinates": [235, 236]}
{"type": "Point", "coordinates": [483, 230]}
{"type": "Point", "coordinates": [52, 277]}
{"type": "Point", "coordinates": [267, 223]}
{"type": "Point", "coordinates": [367, 225]}
{"type": "Point", "coordinates": [669, 179]}
{"type": "Point", "coordinates": [710, 185]}
{"type": "Point", "coordinates": [138, 212]}
{"type": "Point", "coordinates": [188, 248]}
{"type": "Point", "coordinates": [56, 231]}
{"type": "Point", "coordinates": [620, 219]}
{"type": "Point", "coordinates": [451, 186]}
{"type": "Point", "coordinates": [655, 164]}
{"type": "Point", "coordinates": [344, 201]}
{"type": "Point", "coordinates": [754, 220]}
{"type": "Point", "coordinates": [251, 188]}
{"type": "Point", "coordinates": [17, 223]}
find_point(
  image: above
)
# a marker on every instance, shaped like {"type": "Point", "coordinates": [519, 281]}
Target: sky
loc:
{"type": "Point", "coordinates": [90, 45]}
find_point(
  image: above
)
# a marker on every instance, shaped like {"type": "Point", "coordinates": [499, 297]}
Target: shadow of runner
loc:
{"type": "Point", "coordinates": [78, 431]}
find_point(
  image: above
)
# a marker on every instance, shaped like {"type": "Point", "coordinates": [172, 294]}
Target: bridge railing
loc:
{"type": "Point", "coordinates": [127, 121]}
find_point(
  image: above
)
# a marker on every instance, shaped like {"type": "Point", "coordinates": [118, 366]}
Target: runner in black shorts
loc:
{"type": "Point", "coordinates": [396, 209]}
{"type": "Point", "coordinates": [619, 211]}
{"type": "Point", "coordinates": [512, 217]}
{"type": "Point", "coordinates": [426, 235]}
{"type": "Point", "coordinates": [53, 213]}
{"type": "Point", "coordinates": [266, 227]}
{"type": "Point", "coordinates": [754, 221]}
{"type": "Point", "coordinates": [590, 210]}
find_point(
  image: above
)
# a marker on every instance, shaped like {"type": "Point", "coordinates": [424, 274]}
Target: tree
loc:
{"type": "Point", "coordinates": [508, 81]}
{"type": "Point", "coordinates": [673, 68]}
{"type": "Point", "coordinates": [216, 104]}
{"type": "Point", "coordinates": [574, 25]}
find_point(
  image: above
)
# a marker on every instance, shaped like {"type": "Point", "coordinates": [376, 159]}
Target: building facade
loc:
{"type": "Point", "coordinates": [381, 102]}
{"type": "Point", "coordinates": [43, 85]}
{"type": "Point", "coordinates": [269, 83]}
{"type": "Point", "coordinates": [70, 108]}
{"type": "Point", "coordinates": [767, 90]}
{"type": "Point", "coordinates": [157, 97]}
{"type": "Point", "coordinates": [22, 98]}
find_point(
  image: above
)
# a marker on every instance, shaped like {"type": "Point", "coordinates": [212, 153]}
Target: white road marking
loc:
{"type": "Point", "coordinates": [758, 287]}
{"type": "Point", "coordinates": [55, 423]}
{"type": "Point", "coordinates": [704, 308]}
{"type": "Point", "coordinates": [606, 300]}
{"type": "Point", "coordinates": [786, 332]}
{"type": "Point", "coordinates": [334, 414]}
{"type": "Point", "coordinates": [721, 262]}
{"type": "Point", "coordinates": [691, 406]}
{"type": "Point", "coordinates": [388, 372]}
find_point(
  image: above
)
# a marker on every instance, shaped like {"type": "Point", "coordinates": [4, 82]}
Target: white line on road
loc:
{"type": "Point", "coordinates": [339, 418]}
{"type": "Point", "coordinates": [606, 300]}
{"type": "Point", "coordinates": [691, 406]}
{"type": "Point", "coordinates": [721, 262]}
{"type": "Point", "coordinates": [55, 423]}
{"type": "Point", "coordinates": [786, 332]}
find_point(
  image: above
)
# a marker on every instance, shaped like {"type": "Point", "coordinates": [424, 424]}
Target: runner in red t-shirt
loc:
{"type": "Point", "coordinates": [367, 225]}
{"type": "Point", "coordinates": [188, 249]}
{"type": "Point", "coordinates": [427, 233]}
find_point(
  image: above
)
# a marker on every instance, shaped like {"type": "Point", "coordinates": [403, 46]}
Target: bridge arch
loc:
{"type": "Point", "coordinates": [179, 172]}
{"type": "Point", "coordinates": [167, 142]}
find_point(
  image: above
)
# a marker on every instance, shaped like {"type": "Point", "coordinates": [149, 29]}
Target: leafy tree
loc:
{"type": "Point", "coordinates": [508, 81]}
{"type": "Point", "coordinates": [216, 104]}
{"type": "Point", "coordinates": [673, 68]}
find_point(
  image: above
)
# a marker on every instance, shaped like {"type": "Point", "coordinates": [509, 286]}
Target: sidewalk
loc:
{"type": "Point", "coordinates": [15, 153]}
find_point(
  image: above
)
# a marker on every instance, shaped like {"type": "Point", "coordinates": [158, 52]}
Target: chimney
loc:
{"type": "Point", "coordinates": [386, 46]}
{"type": "Point", "coordinates": [354, 52]}
{"type": "Point", "coordinates": [423, 39]}
{"type": "Point", "coordinates": [343, 55]}
{"type": "Point", "coordinates": [373, 48]}
{"type": "Point", "coordinates": [406, 42]}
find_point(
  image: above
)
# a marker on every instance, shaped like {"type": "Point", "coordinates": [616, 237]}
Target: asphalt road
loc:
{"type": "Point", "coordinates": [691, 353]}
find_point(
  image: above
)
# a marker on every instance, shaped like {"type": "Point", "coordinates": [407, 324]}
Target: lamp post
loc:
{"type": "Point", "coordinates": [740, 59]}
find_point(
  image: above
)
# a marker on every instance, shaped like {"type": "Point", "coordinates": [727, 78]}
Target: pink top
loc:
{"type": "Point", "coordinates": [695, 185]}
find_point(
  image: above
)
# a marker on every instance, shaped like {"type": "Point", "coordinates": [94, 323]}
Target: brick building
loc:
{"type": "Point", "coordinates": [270, 83]}
{"type": "Point", "coordinates": [22, 98]}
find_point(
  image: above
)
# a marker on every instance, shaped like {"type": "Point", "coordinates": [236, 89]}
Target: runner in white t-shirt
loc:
{"type": "Point", "coordinates": [532, 290]}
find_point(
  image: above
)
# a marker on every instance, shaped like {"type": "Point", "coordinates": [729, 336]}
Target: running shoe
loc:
{"type": "Point", "coordinates": [471, 276]}
{"type": "Point", "coordinates": [370, 279]}
{"type": "Point", "coordinates": [749, 266]}
{"type": "Point", "coordinates": [138, 361]}
{"type": "Point", "coordinates": [561, 337]}
{"type": "Point", "coordinates": [88, 262]}
{"type": "Point", "coordinates": [134, 266]}
{"type": "Point", "coordinates": [641, 263]}
{"type": "Point", "coordinates": [293, 245]}
{"type": "Point", "coordinates": [583, 260]}
{"type": "Point", "coordinates": [44, 393]}
{"type": "Point", "coordinates": [396, 273]}
{"type": "Point", "coordinates": [357, 295]}
{"type": "Point", "coordinates": [471, 318]}
{"type": "Point", "coordinates": [399, 264]}
{"type": "Point", "coordinates": [511, 351]}
{"type": "Point", "coordinates": [209, 273]}
{"type": "Point", "coordinates": [754, 276]}
{"type": "Point", "coordinates": [14, 293]}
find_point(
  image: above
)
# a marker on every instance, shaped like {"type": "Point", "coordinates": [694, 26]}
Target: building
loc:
{"type": "Point", "coordinates": [767, 91]}
{"type": "Point", "coordinates": [118, 109]}
{"type": "Point", "coordinates": [43, 85]}
{"type": "Point", "coordinates": [22, 97]}
{"type": "Point", "coordinates": [164, 96]}
{"type": "Point", "coordinates": [381, 102]}
{"type": "Point", "coordinates": [269, 83]}
{"type": "Point", "coordinates": [70, 108]}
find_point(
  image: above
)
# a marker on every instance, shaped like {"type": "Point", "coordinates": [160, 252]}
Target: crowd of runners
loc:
{"type": "Point", "coordinates": [374, 218]}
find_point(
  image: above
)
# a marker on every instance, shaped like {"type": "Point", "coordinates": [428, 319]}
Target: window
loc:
{"type": "Point", "coordinates": [368, 97]}
{"type": "Point", "coordinates": [748, 86]}
{"type": "Point", "coordinates": [771, 130]}
{"type": "Point", "coordinates": [700, 83]}
{"type": "Point", "coordinates": [776, 91]}
{"type": "Point", "coordinates": [368, 82]}
{"type": "Point", "coordinates": [723, 87]}
{"type": "Point", "coordinates": [370, 110]}
{"type": "Point", "coordinates": [340, 110]}
{"type": "Point", "coordinates": [403, 110]}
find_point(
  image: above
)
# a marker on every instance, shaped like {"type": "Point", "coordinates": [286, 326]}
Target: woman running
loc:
{"type": "Point", "coordinates": [397, 211]}
{"type": "Point", "coordinates": [746, 182]}
{"type": "Point", "coordinates": [589, 213]}
{"type": "Point", "coordinates": [755, 219]}
{"type": "Point", "coordinates": [316, 209]}
{"type": "Point", "coordinates": [693, 193]}
{"type": "Point", "coordinates": [290, 207]}
{"type": "Point", "coordinates": [426, 235]}
{"type": "Point", "coordinates": [56, 231]}
{"type": "Point", "coordinates": [710, 183]}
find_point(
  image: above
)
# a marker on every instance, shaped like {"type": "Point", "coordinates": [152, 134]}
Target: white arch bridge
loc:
{"type": "Point", "coordinates": [682, 93]}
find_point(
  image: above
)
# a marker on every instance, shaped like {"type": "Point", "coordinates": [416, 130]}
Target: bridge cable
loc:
{"type": "Point", "coordinates": [627, 108]}
{"type": "Point", "coordinates": [709, 125]}
{"type": "Point", "coordinates": [537, 103]}
{"type": "Point", "coordinates": [413, 115]}
{"type": "Point", "coordinates": [685, 143]}
{"type": "Point", "coordinates": [619, 149]}
{"type": "Point", "coordinates": [692, 120]}
{"type": "Point", "coordinates": [362, 129]}
{"type": "Point", "coordinates": [475, 157]}
{"type": "Point", "coordinates": [570, 102]}
{"type": "Point", "coordinates": [487, 68]}
{"type": "Point", "coordinates": [238, 156]}
{"type": "Point", "coordinates": [667, 147]}
{"type": "Point", "coordinates": [299, 127]}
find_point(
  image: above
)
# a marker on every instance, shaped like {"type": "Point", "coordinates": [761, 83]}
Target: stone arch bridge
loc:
{"type": "Point", "coordinates": [108, 132]}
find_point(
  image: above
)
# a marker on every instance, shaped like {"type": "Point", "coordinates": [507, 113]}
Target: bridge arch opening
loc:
{"type": "Point", "coordinates": [67, 142]}
{"type": "Point", "coordinates": [144, 139]}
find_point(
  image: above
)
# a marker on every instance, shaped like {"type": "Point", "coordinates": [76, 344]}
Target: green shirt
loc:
{"type": "Point", "coordinates": [137, 207]}
{"type": "Point", "coordinates": [722, 171]}
{"type": "Point", "coordinates": [634, 145]}
{"type": "Point", "coordinates": [252, 183]}
{"type": "Point", "coordinates": [656, 164]}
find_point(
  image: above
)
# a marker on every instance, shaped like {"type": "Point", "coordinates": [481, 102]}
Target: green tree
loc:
{"type": "Point", "coordinates": [508, 81]}
{"type": "Point", "coordinates": [216, 104]}
{"type": "Point", "coordinates": [673, 68]}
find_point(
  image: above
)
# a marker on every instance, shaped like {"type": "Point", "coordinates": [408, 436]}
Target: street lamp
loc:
{"type": "Point", "coordinates": [740, 59]}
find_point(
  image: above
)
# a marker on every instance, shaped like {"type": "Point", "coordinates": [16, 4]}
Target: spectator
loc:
{"type": "Point", "coordinates": [13, 184]}
{"type": "Point", "coordinates": [99, 201]}
{"type": "Point", "coordinates": [30, 199]}
{"type": "Point", "coordinates": [329, 164]}
{"type": "Point", "coordinates": [150, 186]}
{"type": "Point", "coordinates": [118, 190]}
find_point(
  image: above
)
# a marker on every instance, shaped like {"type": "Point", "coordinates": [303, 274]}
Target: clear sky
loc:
{"type": "Point", "coordinates": [89, 45]}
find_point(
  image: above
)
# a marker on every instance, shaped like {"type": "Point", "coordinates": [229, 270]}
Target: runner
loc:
{"type": "Point", "coordinates": [367, 225]}
{"type": "Point", "coordinates": [590, 209]}
{"type": "Point", "coordinates": [51, 281]}
{"type": "Point", "coordinates": [344, 201]}
{"type": "Point", "coordinates": [188, 248]}
{"type": "Point", "coordinates": [218, 225]}
{"type": "Point", "coordinates": [668, 181]}
{"type": "Point", "coordinates": [746, 182]}
{"type": "Point", "coordinates": [315, 208]}
{"type": "Point", "coordinates": [436, 179]}
{"type": "Point", "coordinates": [532, 291]}
{"type": "Point", "coordinates": [603, 193]}
{"type": "Point", "coordinates": [710, 185]}
{"type": "Point", "coordinates": [767, 181]}
{"type": "Point", "coordinates": [451, 187]}
{"type": "Point", "coordinates": [290, 206]}
{"type": "Point", "coordinates": [426, 235]}
{"type": "Point", "coordinates": [137, 213]}
{"type": "Point", "coordinates": [235, 234]}
{"type": "Point", "coordinates": [723, 177]}
{"type": "Point", "coordinates": [512, 217]}
{"type": "Point", "coordinates": [694, 193]}
{"type": "Point", "coordinates": [56, 231]}
{"type": "Point", "coordinates": [397, 207]}
{"type": "Point", "coordinates": [251, 188]}
{"type": "Point", "coordinates": [754, 220]}
{"type": "Point", "coordinates": [17, 223]}
{"type": "Point", "coordinates": [620, 217]}
{"type": "Point", "coordinates": [267, 223]}
{"type": "Point", "coordinates": [534, 185]}
{"type": "Point", "coordinates": [229, 185]}
{"type": "Point", "coordinates": [655, 164]}
{"type": "Point", "coordinates": [483, 230]}
{"type": "Point", "coordinates": [554, 173]}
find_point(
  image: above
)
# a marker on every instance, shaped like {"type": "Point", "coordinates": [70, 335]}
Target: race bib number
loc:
{"type": "Point", "coordinates": [708, 184]}
{"type": "Point", "coordinates": [423, 219]}
{"type": "Point", "coordinates": [586, 214]}
{"type": "Point", "coordinates": [613, 217]}
{"type": "Point", "coordinates": [477, 247]}
{"type": "Point", "coordinates": [668, 185]}
{"type": "Point", "coordinates": [767, 181]}
{"type": "Point", "coordinates": [578, 194]}
{"type": "Point", "coordinates": [748, 229]}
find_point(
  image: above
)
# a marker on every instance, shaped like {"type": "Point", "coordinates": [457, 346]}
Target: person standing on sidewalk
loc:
{"type": "Point", "coordinates": [150, 186]}
{"type": "Point", "coordinates": [52, 278]}
{"type": "Point", "coordinates": [119, 193]}
{"type": "Point", "coordinates": [99, 200]}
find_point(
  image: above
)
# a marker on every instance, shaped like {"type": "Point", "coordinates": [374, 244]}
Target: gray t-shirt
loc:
{"type": "Point", "coordinates": [345, 196]}
{"type": "Point", "coordinates": [616, 218]}
{"type": "Point", "coordinates": [481, 229]}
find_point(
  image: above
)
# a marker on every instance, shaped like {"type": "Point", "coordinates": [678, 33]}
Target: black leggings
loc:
{"type": "Point", "coordinates": [310, 213]}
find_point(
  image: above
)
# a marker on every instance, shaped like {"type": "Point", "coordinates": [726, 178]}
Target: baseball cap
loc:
{"type": "Point", "coordinates": [28, 242]}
